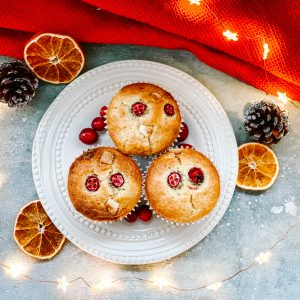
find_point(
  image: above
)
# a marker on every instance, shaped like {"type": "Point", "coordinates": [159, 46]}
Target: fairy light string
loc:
{"type": "Point", "coordinates": [16, 271]}
{"type": "Point", "coordinates": [234, 36]}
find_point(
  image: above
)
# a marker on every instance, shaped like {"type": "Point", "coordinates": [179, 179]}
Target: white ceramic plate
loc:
{"type": "Point", "coordinates": [56, 145]}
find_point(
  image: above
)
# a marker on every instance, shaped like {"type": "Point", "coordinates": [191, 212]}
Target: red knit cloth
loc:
{"type": "Point", "coordinates": [175, 24]}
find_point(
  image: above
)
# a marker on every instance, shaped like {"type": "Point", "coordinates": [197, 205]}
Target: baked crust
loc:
{"type": "Point", "coordinates": [150, 133]}
{"type": "Point", "coordinates": [188, 202]}
{"type": "Point", "coordinates": [108, 202]}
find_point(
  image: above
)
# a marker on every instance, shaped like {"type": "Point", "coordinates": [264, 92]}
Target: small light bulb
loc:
{"type": "Point", "coordinates": [160, 282]}
{"type": "Point", "coordinates": [263, 257]}
{"type": "Point", "coordinates": [283, 97]}
{"type": "Point", "coordinates": [103, 284]}
{"type": "Point", "coordinates": [214, 286]}
{"type": "Point", "coordinates": [230, 35]}
{"type": "Point", "coordinates": [266, 51]}
{"type": "Point", "coordinates": [63, 284]}
{"type": "Point", "coordinates": [195, 2]}
{"type": "Point", "coordinates": [15, 270]}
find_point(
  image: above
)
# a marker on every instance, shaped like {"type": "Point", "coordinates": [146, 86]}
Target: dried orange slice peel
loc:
{"type": "Point", "coordinates": [35, 233]}
{"type": "Point", "coordinates": [53, 57]}
{"type": "Point", "coordinates": [258, 167]}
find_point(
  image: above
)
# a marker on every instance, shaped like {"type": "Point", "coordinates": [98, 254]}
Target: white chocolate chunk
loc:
{"type": "Point", "coordinates": [156, 95]}
{"type": "Point", "coordinates": [112, 206]}
{"type": "Point", "coordinates": [145, 130]}
{"type": "Point", "coordinates": [107, 158]}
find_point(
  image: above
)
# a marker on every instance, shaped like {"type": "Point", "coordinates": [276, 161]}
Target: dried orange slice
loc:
{"type": "Point", "coordinates": [258, 167]}
{"type": "Point", "coordinates": [53, 57]}
{"type": "Point", "coordinates": [35, 233]}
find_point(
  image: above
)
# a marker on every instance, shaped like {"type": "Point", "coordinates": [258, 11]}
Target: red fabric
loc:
{"type": "Point", "coordinates": [174, 24]}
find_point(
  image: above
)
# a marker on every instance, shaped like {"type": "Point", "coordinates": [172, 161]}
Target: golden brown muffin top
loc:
{"type": "Point", "coordinates": [143, 119]}
{"type": "Point", "coordinates": [182, 185]}
{"type": "Point", "coordinates": [104, 184]}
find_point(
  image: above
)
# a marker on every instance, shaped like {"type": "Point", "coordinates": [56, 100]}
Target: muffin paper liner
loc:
{"type": "Point", "coordinates": [105, 122]}
{"type": "Point", "coordinates": [180, 130]}
{"type": "Point", "coordinates": [142, 194]}
{"type": "Point", "coordinates": [148, 203]}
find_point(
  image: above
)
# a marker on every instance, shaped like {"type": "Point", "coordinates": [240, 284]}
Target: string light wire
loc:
{"type": "Point", "coordinates": [262, 258]}
{"type": "Point", "coordinates": [234, 36]}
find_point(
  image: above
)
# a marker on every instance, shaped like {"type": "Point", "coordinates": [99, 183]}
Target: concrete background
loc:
{"type": "Point", "coordinates": [253, 222]}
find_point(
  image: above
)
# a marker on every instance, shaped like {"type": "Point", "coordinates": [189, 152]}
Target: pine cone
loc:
{"type": "Point", "coordinates": [17, 84]}
{"type": "Point", "coordinates": [266, 122]}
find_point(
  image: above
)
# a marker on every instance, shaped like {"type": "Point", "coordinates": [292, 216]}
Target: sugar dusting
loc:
{"type": "Point", "coordinates": [291, 208]}
{"type": "Point", "coordinates": [277, 210]}
{"type": "Point", "coordinates": [288, 207]}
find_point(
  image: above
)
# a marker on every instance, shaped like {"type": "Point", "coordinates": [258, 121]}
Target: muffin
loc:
{"type": "Point", "coordinates": [143, 119]}
{"type": "Point", "coordinates": [104, 184]}
{"type": "Point", "coordinates": [182, 185]}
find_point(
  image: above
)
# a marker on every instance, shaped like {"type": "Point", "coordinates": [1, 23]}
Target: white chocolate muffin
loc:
{"type": "Point", "coordinates": [104, 184]}
{"type": "Point", "coordinates": [143, 119]}
{"type": "Point", "coordinates": [182, 185]}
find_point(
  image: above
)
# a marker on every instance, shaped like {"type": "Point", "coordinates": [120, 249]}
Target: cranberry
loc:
{"type": "Point", "coordinates": [88, 136]}
{"type": "Point", "coordinates": [174, 179]}
{"type": "Point", "coordinates": [196, 175]}
{"type": "Point", "coordinates": [184, 132]}
{"type": "Point", "coordinates": [103, 111]}
{"type": "Point", "coordinates": [145, 214]}
{"type": "Point", "coordinates": [138, 108]}
{"type": "Point", "coordinates": [92, 183]}
{"type": "Point", "coordinates": [117, 180]}
{"type": "Point", "coordinates": [169, 110]}
{"type": "Point", "coordinates": [187, 146]}
{"type": "Point", "coordinates": [131, 217]}
{"type": "Point", "coordinates": [98, 124]}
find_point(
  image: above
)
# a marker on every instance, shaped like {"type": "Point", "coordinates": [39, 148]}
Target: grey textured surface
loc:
{"type": "Point", "coordinates": [253, 222]}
